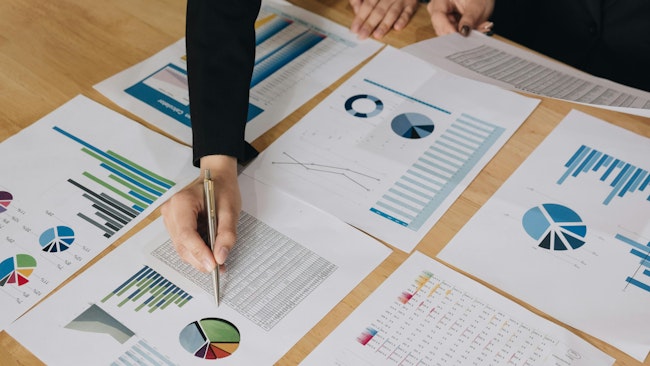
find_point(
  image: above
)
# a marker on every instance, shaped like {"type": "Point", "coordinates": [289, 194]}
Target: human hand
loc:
{"type": "Point", "coordinates": [376, 17]}
{"type": "Point", "coordinates": [184, 215]}
{"type": "Point", "coordinates": [450, 16]}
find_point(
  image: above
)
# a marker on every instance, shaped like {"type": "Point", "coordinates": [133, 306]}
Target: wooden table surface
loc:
{"type": "Point", "coordinates": [50, 51]}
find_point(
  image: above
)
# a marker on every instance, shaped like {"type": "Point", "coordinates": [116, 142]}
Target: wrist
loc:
{"type": "Point", "coordinates": [219, 164]}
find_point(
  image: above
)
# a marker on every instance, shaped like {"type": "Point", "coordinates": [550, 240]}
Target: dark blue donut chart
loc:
{"type": "Point", "coordinates": [379, 106]}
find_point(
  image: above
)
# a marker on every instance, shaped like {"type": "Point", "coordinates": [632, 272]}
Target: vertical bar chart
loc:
{"type": "Point", "coordinates": [621, 176]}
{"type": "Point", "coordinates": [122, 193]}
{"type": "Point", "coordinates": [150, 290]}
{"type": "Point", "coordinates": [418, 193]}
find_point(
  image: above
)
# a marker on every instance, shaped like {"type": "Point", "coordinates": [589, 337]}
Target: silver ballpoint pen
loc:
{"type": "Point", "coordinates": [208, 193]}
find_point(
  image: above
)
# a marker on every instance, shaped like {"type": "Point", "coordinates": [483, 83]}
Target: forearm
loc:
{"type": "Point", "coordinates": [220, 43]}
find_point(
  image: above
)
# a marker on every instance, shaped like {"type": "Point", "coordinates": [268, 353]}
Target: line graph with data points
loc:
{"type": "Point", "coordinates": [356, 177]}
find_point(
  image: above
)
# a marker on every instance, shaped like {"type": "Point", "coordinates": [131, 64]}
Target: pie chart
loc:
{"type": "Point", "coordinates": [16, 270]}
{"type": "Point", "coordinates": [412, 125]}
{"type": "Point", "coordinates": [5, 200]}
{"type": "Point", "coordinates": [56, 239]}
{"type": "Point", "coordinates": [555, 227]}
{"type": "Point", "coordinates": [364, 105]}
{"type": "Point", "coordinates": [210, 338]}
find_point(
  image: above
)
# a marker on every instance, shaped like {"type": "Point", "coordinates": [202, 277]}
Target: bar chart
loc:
{"type": "Point", "coordinates": [622, 177]}
{"type": "Point", "coordinates": [89, 176]}
{"type": "Point", "coordinates": [298, 40]}
{"type": "Point", "coordinates": [423, 187]}
{"type": "Point", "coordinates": [149, 290]}
{"type": "Point", "coordinates": [297, 54]}
{"type": "Point", "coordinates": [125, 190]}
{"type": "Point", "coordinates": [641, 278]}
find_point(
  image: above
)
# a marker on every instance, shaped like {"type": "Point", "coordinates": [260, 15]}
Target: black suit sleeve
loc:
{"type": "Point", "coordinates": [220, 43]}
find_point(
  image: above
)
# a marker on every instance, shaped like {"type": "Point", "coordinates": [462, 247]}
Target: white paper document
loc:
{"type": "Point", "coordinates": [569, 232]}
{"type": "Point", "coordinates": [141, 305]}
{"type": "Point", "coordinates": [298, 54]}
{"type": "Point", "coordinates": [489, 60]}
{"type": "Point", "coordinates": [426, 314]}
{"type": "Point", "coordinates": [72, 183]}
{"type": "Point", "coordinates": [389, 151]}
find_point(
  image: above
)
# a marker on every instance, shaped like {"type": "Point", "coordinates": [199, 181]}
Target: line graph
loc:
{"type": "Point", "coordinates": [347, 173]}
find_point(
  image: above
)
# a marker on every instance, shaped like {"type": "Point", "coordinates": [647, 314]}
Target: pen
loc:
{"type": "Point", "coordinates": [208, 193]}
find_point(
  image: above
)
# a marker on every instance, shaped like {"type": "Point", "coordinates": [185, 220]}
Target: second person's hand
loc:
{"type": "Point", "coordinates": [377, 17]}
{"type": "Point", "coordinates": [451, 16]}
{"type": "Point", "coordinates": [185, 219]}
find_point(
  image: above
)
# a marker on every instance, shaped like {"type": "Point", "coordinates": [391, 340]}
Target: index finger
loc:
{"type": "Point", "coordinates": [180, 215]}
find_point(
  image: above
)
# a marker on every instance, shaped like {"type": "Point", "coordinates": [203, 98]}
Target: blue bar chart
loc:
{"type": "Point", "coordinates": [621, 176]}
{"type": "Point", "coordinates": [643, 271]}
{"type": "Point", "coordinates": [418, 193]}
{"type": "Point", "coordinates": [150, 290]}
{"type": "Point", "coordinates": [127, 188]}
{"type": "Point", "coordinates": [283, 53]}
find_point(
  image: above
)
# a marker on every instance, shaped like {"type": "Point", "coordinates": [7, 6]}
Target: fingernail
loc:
{"type": "Point", "coordinates": [464, 30]}
{"type": "Point", "coordinates": [207, 265]}
{"type": "Point", "coordinates": [222, 255]}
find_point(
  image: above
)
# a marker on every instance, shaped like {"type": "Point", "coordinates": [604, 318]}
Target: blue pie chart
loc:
{"type": "Point", "coordinates": [555, 227]}
{"type": "Point", "coordinates": [412, 125]}
{"type": "Point", "coordinates": [56, 239]}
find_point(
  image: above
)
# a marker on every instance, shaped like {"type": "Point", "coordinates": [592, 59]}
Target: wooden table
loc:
{"type": "Point", "coordinates": [51, 51]}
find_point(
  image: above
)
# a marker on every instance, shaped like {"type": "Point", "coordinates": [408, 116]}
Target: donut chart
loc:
{"type": "Point", "coordinates": [16, 270]}
{"type": "Point", "coordinates": [364, 105]}
{"type": "Point", "coordinates": [56, 239]}
{"type": "Point", "coordinates": [555, 227]}
{"type": "Point", "coordinates": [5, 200]}
{"type": "Point", "coordinates": [412, 125]}
{"type": "Point", "coordinates": [210, 338]}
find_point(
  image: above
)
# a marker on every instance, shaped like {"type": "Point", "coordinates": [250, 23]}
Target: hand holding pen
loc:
{"type": "Point", "coordinates": [183, 214]}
